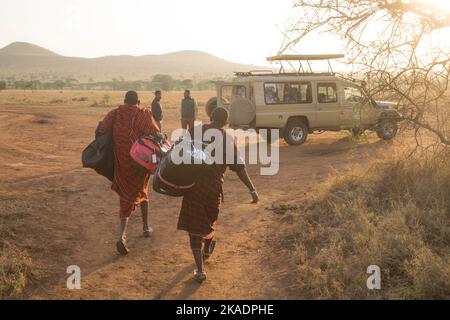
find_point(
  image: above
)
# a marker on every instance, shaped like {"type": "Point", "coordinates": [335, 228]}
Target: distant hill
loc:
{"type": "Point", "coordinates": [25, 60]}
{"type": "Point", "coordinates": [26, 49]}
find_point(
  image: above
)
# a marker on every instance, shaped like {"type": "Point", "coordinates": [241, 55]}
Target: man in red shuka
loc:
{"type": "Point", "coordinates": [128, 122]}
{"type": "Point", "coordinates": [201, 205]}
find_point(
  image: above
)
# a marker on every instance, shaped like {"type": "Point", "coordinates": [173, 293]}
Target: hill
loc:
{"type": "Point", "coordinates": [26, 49]}
{"type": "Point", "coordinates": [29, 61]}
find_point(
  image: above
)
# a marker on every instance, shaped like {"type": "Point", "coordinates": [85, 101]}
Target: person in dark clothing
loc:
{"type": "Point", "coordinates": [157, 109]}
{"type": "Point", "coordinates": [188, 111]}
{"type": "Point", "coordinates": [200, 206]}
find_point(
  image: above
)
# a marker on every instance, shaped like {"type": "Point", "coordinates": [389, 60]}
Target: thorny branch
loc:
{"type": "Point", "coordinates": [392, 44]}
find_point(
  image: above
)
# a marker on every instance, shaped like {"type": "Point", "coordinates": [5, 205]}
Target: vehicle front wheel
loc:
{"type": "Point", "coordinates": [387, 129]}
{"type": "Point", "coordinates": [295, 132]}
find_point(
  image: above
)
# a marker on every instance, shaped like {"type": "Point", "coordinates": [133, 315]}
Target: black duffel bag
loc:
{"type": "Point", "coordinates": [174, 179]}
{"type": "Point", "coordinates": [99, 154]}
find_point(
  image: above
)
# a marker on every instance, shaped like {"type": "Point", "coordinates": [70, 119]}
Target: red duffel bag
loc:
{"type": "Point", "coordinates": [148, 151]}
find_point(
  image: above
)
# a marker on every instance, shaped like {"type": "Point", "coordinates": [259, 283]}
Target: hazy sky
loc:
{"type": "Point", "coordinates": [245, 31]}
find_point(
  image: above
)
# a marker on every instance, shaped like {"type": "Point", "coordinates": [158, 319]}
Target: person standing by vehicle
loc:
{"type": "Point", "coordinates": [128, 122]}
{"type": "Point", "coordinates": [188, 111]}
{"type": "Point", "coordinates": [157, 109]}
{"type": "Point", "coordinates": [200, 206]}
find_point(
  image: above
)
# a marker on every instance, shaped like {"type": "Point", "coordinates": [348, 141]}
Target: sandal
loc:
{"type": "Point", "coordinates": [148, 232]}
{"type": "Point", "coordinates": [122, 248]}
{"type": "Point", "coordinates": [208, 254]}
{"type": "Point", "coordinates": [199, 276]}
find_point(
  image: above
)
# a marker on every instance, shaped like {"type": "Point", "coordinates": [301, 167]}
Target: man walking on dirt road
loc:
{"type": "Point", "coordinates": [201, 205]}
{"type": "Point", "coordinates": [188, 111]}
{"type": "Point", "coordinates": [157, 109]}
{"type": "Point", "coordinates": [127, 123]}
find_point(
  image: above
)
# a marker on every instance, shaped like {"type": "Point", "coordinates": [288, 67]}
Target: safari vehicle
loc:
{"type": "Point", "coordinates": [303, 102]}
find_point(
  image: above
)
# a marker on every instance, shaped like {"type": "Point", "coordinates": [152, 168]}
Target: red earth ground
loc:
{"type": "Point", "coordinates": [64, 215]}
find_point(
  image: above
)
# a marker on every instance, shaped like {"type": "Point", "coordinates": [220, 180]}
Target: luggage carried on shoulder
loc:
{"type": "Point", "coordinates": [175, 177]}
{"type": "Point", "coordinates": [147, 152]}
{"type": "Point", "coordinates": [99, 154]}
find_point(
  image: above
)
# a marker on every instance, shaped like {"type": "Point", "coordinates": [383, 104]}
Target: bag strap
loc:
{"type": "Point", "coordinates": [139, 140]}
{"type": "Point", "coordinates": [170, 184]}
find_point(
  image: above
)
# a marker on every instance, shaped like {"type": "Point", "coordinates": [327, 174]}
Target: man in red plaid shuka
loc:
{"type": "Point", "coordinates": [128, 122]}
{"type": "Point", "coordinates": [200, 207]}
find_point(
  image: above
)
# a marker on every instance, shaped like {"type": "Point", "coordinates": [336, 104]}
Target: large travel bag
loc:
{"type": "Point", "coordinates": [148, 151]}
{"type": "Point", "coordinates": [175, 179]}
{"type": "Point", "coordinates": [99, 154]}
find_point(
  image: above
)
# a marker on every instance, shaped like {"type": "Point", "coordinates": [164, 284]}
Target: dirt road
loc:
{"type": "Point", "coordinates": [65, 215]}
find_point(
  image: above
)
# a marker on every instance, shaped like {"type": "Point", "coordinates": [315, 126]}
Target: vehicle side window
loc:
{"type": "Point", "coordinates": [240, 91]}
{"type": "Point", "coordinates": [327, 93]}
{"type": "Point", "coordinates": [353, 94]}
{"type": "Point", "coordinates": [229, 93]}
{"type": "Point", "coordinates": [288, 92]}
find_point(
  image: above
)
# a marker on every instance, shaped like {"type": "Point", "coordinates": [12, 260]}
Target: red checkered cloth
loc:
{"type": "Point", "coordinates": [201, 205]}
{"type": "Point", "coordinates": [131, 185]}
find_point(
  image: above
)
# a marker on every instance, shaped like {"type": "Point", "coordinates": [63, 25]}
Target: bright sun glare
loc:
{"type": "Point", "coordinates": [439, 38]}
{"type": "Point", "coordinates": [444, 4]}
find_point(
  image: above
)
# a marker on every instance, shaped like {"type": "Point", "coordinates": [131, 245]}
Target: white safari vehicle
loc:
{"type": "Point", "coordinates": [302, 102]}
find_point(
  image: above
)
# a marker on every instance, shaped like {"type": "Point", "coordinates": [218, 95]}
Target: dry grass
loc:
{"type": "Point", "coordinates": [87, 98]}
{"type": "Point", "coordinates": [395, 215]}
{"type": "Point", "coordinates": [95, 102]}
{"type": "Point", "coordinates": [15, 269]}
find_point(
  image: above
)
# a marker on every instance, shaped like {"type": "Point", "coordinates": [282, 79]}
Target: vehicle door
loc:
{"type": "Point", "coordinates": [329, 109]}
{"type": "Point", "coordinates": [355, 107]}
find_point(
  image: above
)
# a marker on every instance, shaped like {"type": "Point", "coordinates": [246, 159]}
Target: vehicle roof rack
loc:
{"type": "Point", "coordinates": [304, 57]}
{"type": "Point", "coordinates": [252, 73]}
{"type": "Point", "coordinates": [283, 74]}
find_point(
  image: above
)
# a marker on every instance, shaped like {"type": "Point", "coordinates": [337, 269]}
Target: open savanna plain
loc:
{"type": "Point", "coordinates": [54, 213]}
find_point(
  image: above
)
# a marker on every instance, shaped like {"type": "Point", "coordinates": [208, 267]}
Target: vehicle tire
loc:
{"type": "Point", "coordinates": [295, 132]}
{"type": "Point", "coordinates": [387, 129]}
{"type": "Point", "coordinates": [210, 106]}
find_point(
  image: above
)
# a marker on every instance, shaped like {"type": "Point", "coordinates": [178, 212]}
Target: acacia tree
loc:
{"type": "Point", "coordinates": [392, 43]}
